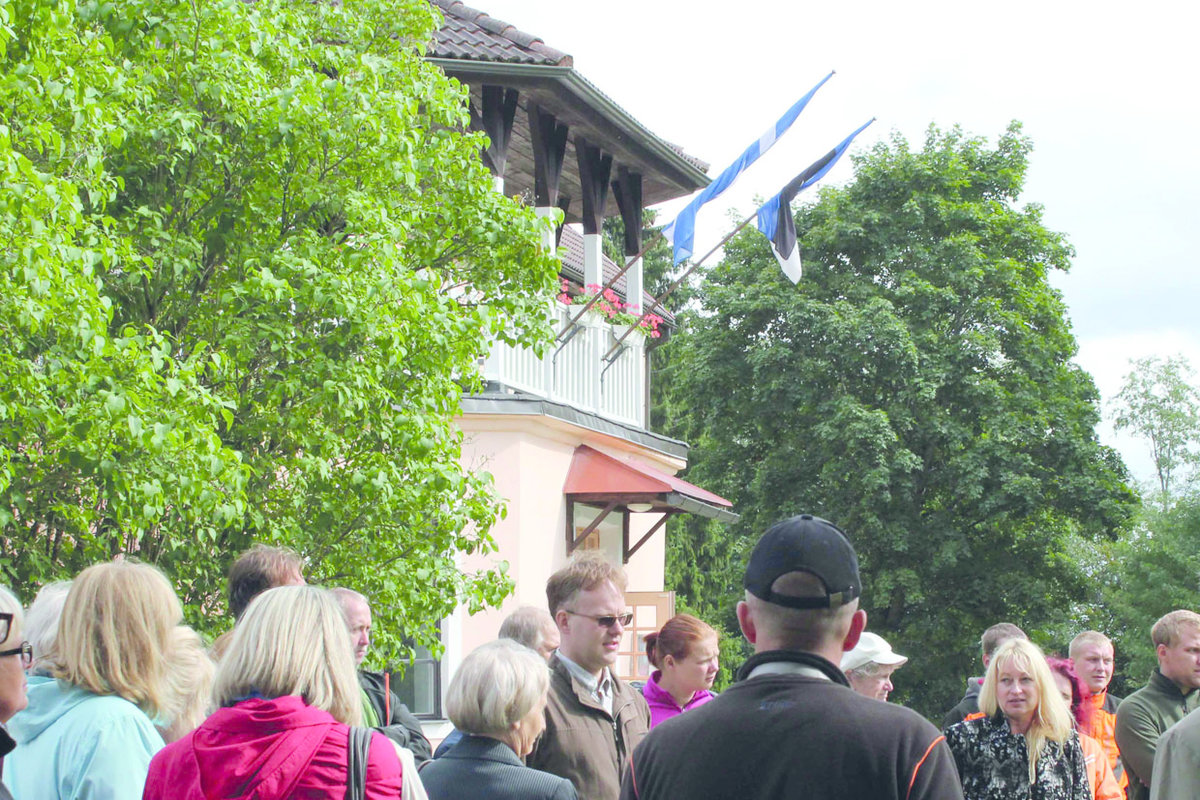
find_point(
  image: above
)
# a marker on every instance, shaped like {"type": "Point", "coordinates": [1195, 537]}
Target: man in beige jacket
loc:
{"type": "Point", "coordinates": [593, 718]}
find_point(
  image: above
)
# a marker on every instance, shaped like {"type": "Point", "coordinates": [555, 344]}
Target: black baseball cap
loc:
{"type": "Point", "coordinates": [804, 544]}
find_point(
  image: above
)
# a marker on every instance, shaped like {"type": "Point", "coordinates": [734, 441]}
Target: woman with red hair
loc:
{"type": "Point", "coordinates": [1099, 771]}
{"type": "Point", "coordinates": [684, 654]}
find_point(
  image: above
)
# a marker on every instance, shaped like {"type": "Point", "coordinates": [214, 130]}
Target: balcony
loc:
{"type": "Point", "coordinates": [577, 373]}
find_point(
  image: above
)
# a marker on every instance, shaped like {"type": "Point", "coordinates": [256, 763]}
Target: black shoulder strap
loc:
{"type": "Point", "coordinates": [358, 749]}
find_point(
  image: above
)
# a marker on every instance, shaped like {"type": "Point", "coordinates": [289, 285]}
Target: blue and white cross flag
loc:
{"type": "Point", "coordinates": [775, 218]}
{"type": "Point", "coordinates": [681, 232]}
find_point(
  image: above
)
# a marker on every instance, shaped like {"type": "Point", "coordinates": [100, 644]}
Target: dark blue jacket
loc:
{"type": "Point", "coordinates": [479, 768]}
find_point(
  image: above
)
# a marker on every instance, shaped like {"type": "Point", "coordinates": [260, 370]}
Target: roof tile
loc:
{"type": "Point", "coordinates": [472, 34]}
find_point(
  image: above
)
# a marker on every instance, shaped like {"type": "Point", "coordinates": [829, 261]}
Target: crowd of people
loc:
{"type": "Point", "coordinates": [105, 693]}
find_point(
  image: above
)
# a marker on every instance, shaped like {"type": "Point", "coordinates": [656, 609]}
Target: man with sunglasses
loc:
{"type": "Point", "coordinates": [593, 718]}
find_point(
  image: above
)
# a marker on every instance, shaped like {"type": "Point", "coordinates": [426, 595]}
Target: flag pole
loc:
{"type": "Point", "coordinates": [574, 320]}
{"type": "Point", "coordinates": [657, 302]}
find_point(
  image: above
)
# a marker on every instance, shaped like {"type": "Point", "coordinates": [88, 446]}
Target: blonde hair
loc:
{"type": "Point", "coordinates": [1166, 630]}
{"type": "Point", "coordinates": [189, 683]}
{"type": "Point", "coordinates": [115, 632]}
{"type": "Point", "coordinates": [1086, 639]}
{"type": "Point", "coordinates": [292, 640]}
{"type": "Point", "coordinates": [584, 572]}
{"type": "Point", "coordinates": [1052, 719]}
{"type": "Point", "coordinates": [497, 685]}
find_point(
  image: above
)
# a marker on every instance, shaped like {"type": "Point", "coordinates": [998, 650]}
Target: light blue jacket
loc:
{"type": "Point", "coordinates": [75, 745]}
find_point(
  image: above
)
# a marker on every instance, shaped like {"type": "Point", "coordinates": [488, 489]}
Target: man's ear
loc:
{"type": "Point", "coordinates": [560, 621]}
{"type": "Point", "coordinates": [858, 624]}
{"type": "Point", "coordinates": [746, 621]}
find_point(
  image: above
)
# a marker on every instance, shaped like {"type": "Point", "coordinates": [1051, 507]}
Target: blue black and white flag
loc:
{"type": "Point", "coordinates": [775, 218]}
{"type": "Point", "coordinates": [681, 232]}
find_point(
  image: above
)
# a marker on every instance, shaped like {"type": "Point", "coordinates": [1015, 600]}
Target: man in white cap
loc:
{"type": "Point", "coordinates": [869, 666]}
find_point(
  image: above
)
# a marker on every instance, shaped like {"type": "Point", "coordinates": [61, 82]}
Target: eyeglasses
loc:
{"type": "Point", "coordinates": [6, 619]}
{"type": "Point", "coordinates": [607, 621]}
{"type": "Point", "coordinates": [26, 652]}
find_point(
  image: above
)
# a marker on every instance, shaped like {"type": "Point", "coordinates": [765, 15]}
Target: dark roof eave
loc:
{"type": "Point", "coordinates": [700, 508]}
{"type": "Point", "coordinates": [589, 94]}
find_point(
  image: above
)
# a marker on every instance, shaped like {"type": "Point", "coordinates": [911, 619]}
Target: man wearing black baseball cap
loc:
{"type": "Point", "coordinates": [792, 727]}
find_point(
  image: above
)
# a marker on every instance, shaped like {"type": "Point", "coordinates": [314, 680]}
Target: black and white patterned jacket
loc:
{"type": "Point", "coordinates": [993, 764]}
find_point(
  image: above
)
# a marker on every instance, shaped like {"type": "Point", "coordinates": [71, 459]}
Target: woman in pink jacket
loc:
{"type": "Point", "coordinates": [287, 695]}
{"type": "Point", "coordinates": [685, 657]}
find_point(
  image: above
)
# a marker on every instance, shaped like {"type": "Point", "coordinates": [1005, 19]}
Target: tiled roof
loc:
{"type": "Point", "coordinates": [570, 252]}
{"type": "Point", "coordinates": [474, 35]}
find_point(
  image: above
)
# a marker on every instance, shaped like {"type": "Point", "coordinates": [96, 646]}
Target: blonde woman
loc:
{"type": "Point", "coordinates": [287, 694]}
{"type": "Point", "coordinates": [189, 684]}
{"type": "Point", "coordinates": [88, 732]}
{"type": "Point", "coordinates": [1025, 746]}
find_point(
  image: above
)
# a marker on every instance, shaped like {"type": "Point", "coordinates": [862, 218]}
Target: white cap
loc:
{"type": "Point", "coordinates": [870, 648]}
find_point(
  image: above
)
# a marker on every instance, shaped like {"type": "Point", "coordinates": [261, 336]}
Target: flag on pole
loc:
{"type": "Point", "coordinates": [681, 231]}
{"type": "Point", "coordinates": [775, 216]}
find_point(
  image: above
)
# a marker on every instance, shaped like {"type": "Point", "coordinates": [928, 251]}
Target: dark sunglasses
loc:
{"type": "Point", "coordinates": [26, 652]}
{"type": "Point", "coordinates": [607, 621]}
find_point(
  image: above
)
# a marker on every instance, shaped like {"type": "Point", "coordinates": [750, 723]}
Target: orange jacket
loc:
{"type": "Point", "coordinates": [1103, 728]}
{"type": "Point", "coordinates": [1100, 775]}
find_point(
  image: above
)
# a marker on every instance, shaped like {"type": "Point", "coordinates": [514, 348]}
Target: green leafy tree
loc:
{"type": "Point", "coordinates": [250, 261]}
{"type": "Point", "coordinates": [1158, 403]}
{"type": "Point", "coordinates": [917, 388]}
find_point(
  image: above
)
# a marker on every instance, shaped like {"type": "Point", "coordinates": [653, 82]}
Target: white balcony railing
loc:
{"type": "Point", "coordinates": [578, 375]}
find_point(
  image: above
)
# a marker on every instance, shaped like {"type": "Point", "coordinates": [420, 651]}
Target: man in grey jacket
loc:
{"type": "Point", "coordinates": [1177, 761]}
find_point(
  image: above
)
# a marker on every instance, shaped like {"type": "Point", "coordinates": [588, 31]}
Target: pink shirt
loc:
{"type": "Point", "coordinates": [663, 705]}
{"type": "Point", "coordinates": [268, 750]}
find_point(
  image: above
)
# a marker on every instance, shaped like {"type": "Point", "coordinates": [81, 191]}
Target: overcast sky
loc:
{"type": "Point", "coordinates": [1109, 97]}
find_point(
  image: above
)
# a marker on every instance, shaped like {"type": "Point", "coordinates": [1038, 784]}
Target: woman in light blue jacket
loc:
{"type": "Point", "coordinates": [87, 732]}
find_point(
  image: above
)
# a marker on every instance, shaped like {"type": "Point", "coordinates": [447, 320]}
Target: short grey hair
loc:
{"type": "Point", "coordinates": [497, 685]}
{"type": "Point", "coordinates": [344, 595]}
{"type": "Point", "coordinates": [867, 670]}
{"type": "Point", "coordinates": [527, 625]}
{"type": "Point", "coordinates": [41, 624]}
{"type": "Point", "coordinates": [9, 604]}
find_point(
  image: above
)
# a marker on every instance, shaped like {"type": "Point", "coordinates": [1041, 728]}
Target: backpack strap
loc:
{"type": "Point", "coordinates": [358, 750]}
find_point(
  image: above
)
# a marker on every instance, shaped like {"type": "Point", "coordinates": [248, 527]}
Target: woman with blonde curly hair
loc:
{"type": "Point", "coordinates": [88, 732]}
{"type": "Point", "coordinates": [286, 694]}
{"type": "Point", "coordinates": [1025, 746]}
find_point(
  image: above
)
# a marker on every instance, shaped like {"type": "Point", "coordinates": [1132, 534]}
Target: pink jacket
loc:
{"type": "Point", "coordinates": [663, 705]}
{"type": "Point", "coordinates": [268, 750]}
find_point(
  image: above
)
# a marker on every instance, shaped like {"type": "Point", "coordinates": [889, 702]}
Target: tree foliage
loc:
{"type": "Point", "coordinates": [250, 259]}
{"type": "Point", "coordinates": [917, 388]}
{"type": "Point", "coordinates": [1158, 404]}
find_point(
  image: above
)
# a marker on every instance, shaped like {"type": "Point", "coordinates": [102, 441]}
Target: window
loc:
{"type": "Point", "coordinates": [607, 537]}
{"type": "Point", "coordinates": [420, 687]}
{"type": "Point", "coordinates": [650, 611]}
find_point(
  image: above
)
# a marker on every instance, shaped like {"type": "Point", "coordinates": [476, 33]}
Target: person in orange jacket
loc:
{"type": "Point", "coordinates": [1091, 654]}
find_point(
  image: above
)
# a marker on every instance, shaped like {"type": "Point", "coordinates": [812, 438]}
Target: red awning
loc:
{"type": "Point", "coordinates": [598, 478]}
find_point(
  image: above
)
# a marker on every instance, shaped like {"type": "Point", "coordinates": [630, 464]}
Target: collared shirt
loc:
{"type": "Point", "coordinates": [600, 689]}
{"type": "Point", "coordinates": [787, 668]}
